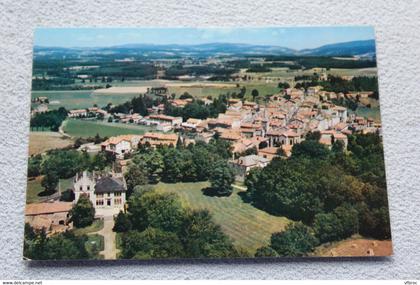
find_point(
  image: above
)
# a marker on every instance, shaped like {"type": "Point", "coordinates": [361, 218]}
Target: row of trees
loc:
{"type": "Point", "coordinates": [66, 245]}
{"type": "Point", "coordinates": [138, 104]}
{"type": "Point", "coordinates": [196, 162]}
{"type": "Point", "coordinates": [50, 119]}
{"type": "Point", "coordinates": [157, 226]}
{"type": "Point", "coordinates": [338, 84]}
{"type": "Point", "coordinates": [66, 163]}
{"type": "Point", "coordinates": [197, 109]}
{"type": "Point", "coordinates": [336, 193]}
{"type": "Point", "coordinates": [63, 164]}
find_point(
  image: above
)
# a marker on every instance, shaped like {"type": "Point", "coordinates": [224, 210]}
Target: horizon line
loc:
{"type": "Point", "coordinates": [197, 44]}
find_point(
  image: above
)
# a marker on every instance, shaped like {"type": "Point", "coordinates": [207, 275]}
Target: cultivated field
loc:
{"type": "Point", "coordinates": [249, 227]}
{"type": "Point", "coordinates": [355, 246]}
{"type": "Point", "coordinates": [40, 142]}
{"type": "Point", "coordinates": [75, 99]}
{"type": "Point", "coordinates": [84, 128]}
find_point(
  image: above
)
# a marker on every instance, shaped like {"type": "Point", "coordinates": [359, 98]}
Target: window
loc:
{"type": "Point", "coordinates": [88, 188]}
{"type": "Point", "coordinates": [117, 201]}
{"type": "Point", "coordinates": [99, 202]}
{"type": "Point", "coordinates": [81, 188]}
{"type": "Point", "coordinates": [100, 195]}
{"type": "Point", "coordinates": [108, 194]}
{"type": "Point", "coordinates": [117, 194]}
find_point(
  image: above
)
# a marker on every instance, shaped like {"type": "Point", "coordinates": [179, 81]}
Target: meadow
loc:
{"type": "Point", "coordinates": [85, 128]}
{"type": "Point", "coordinates": [248, 227]}
{"type": "Point", "coordinates": [80, 99]}
{"type": "Point", "coordinates": [34, 189]}
{"type": "Point", "coordinates": [40, 142]}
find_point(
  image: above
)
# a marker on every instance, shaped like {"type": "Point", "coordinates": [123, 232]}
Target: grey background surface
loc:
{"type": "Point", "coordinates": [398, 41]}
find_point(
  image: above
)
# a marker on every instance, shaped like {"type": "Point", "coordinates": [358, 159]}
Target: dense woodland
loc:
{"type": "Point", "coordinates": [157, 226]}
{"type": "Point", "coordinates": [51, 119]}
{"type": "Point", "coordinates": [334, 193]}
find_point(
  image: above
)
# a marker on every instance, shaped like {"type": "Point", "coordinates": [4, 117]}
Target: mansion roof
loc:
{"type": "Point", "coordinates": [109, 184]}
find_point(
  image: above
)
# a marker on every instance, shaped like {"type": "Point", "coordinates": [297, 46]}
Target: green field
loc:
{"type": "Point", "coordinates": [373, 113]}
{"type": "Point", "coordinates": [249, 227]}
{"type": "Point", "coordinates": [84, 128]}
{"type": "Point", "coordinates": [97, 225]}
{"type": "Point", "coordinates": [287, 74]}
{"type": "Point", "coordinates": [75, 99]}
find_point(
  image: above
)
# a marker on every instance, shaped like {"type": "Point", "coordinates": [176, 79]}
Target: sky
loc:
{"type": "Point", "coordinates": [291, 37]}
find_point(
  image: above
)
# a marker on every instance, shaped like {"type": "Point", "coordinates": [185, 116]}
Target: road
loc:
{"type": "Point", "coordinates": [110, 249]}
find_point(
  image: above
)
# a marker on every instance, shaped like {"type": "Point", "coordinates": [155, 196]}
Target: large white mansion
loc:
{"type": "Point", "coordinates": [104, 191]}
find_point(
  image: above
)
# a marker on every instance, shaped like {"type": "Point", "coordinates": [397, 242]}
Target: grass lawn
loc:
{"type": "Point", "coordinates": [249, 227]}
{"type": "Point", "coordinates": [34, 188]}
{"type": "Point", "coordinates": [96, 226]}
{"type": "Point", "coordinates": [84, 128]}
{"type": "Point", "coordinates": [94, 245]}
{"type": "Point", "coordinates": [79, 99]}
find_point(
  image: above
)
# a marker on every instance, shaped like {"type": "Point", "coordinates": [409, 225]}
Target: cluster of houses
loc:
{"type": "Point", "coordinates": [257, 134]}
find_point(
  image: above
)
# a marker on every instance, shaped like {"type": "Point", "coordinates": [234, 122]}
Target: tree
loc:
{"type": "Point", "coordinates": [310, 148]}
{"type": "Point", "coordinates": [221, 179]}
{"type": "Point", "coordinates": [163, 211]}
{"type": "Point", "coordinates": [201, 237]}
{"type": "Point", "coordinates": [83, 213]}
{"type": "Point", "coordinates": [296, 240]}
{"type": "Point", "coordinates": [151, 243]}
{"type": "Point", "coordinates": [136, 175]}
{"type": "Point", "coordinates": [122, 223]}
{"type": "Point", "coordinates": [67, 195]}
{"type": "Point", "coordinates": [50, 182]}
{"type": "Point", "coordinates": [186, 95]}
{"type": "Point", "coordinates": [34, 165]}
{"type": "Point", "coordinates": [173, 161]}
{"type": "Point", "coordinates": [266, 251]}
{"type": "Point", "coordinates": [254, 94]}
{"type": "Point", "coordinates": [97, 139]}
{"type": "Point", "coordinates": [59, 246]}
{"type": "Point", "coordinates": [283, 85]}
{"type": "Point", "coordinates": [327, 227]}
{"type": "Point", "coordinates": [65, 163]}
{"type": "Point", "coordinates": [152, 162]}
{"type": "Point", "coordinates": [338, 146]}
{"type": "Point", "coordinates": [314, 136]}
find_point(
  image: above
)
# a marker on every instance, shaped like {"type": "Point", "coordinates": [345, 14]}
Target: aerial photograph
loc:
{"type": "Point", "coordinates": [181, 143]}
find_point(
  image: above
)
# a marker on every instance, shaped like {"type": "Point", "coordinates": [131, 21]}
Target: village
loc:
{"type": "Point", "coordinates": [213, 150]}
{"type": "Point", "coordinates": [256, 132]}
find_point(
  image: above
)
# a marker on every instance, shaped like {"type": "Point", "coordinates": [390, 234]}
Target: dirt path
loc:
{"type": "Point", "coordinates": [110, 249]}
{"type": "Point", "coordinates": [61, 129]}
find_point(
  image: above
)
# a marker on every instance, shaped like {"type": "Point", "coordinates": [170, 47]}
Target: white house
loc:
{"type": "Point", "coordinates": [78, 113]}
{"type": "Point", "coordinates": [106, 192]}
{"type": "Point", "coordinates": [121, 145]}
{"type": "Point", "coordinates": [244, 164]}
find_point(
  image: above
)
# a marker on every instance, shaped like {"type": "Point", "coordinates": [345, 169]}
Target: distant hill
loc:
{"type": "Point", "coordinates": [354, 48]}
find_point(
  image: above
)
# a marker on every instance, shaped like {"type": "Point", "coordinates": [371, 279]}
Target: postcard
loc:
{"type": "Point", "coordinates": [172, 143]}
